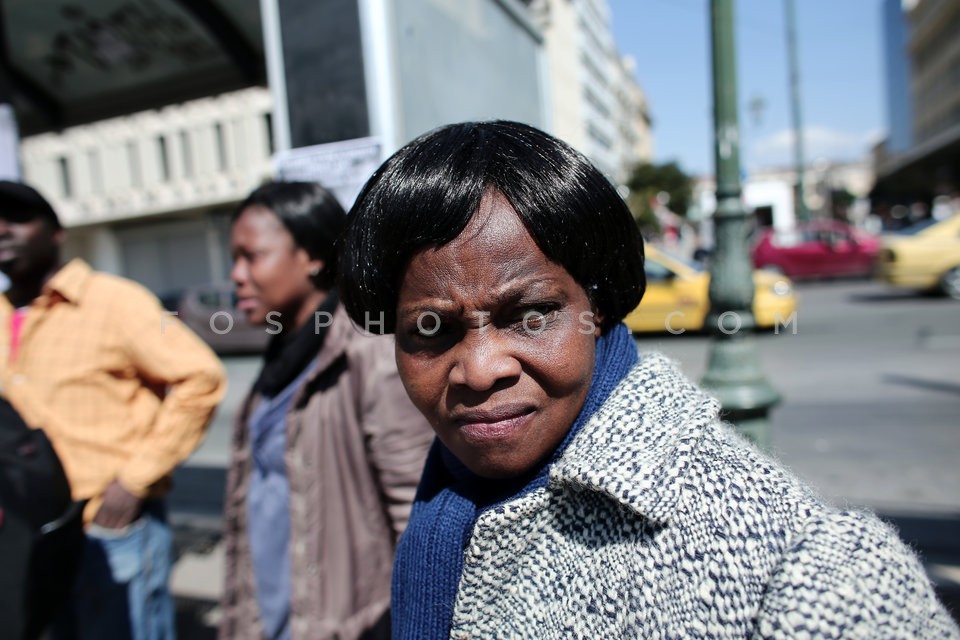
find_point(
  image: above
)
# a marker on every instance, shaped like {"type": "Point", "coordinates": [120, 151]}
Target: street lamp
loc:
{"type": "Point", "coordinates": [802, 213]}
{"type": "Point", "coordinates": [733, 371]}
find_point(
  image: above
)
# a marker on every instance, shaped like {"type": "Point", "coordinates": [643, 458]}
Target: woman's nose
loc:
{"type": "Point", "coordinates": [238, 272]}
{"type": "Point", "coordinates": [482, 360]}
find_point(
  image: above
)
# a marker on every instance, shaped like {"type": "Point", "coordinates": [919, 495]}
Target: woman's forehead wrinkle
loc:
{"type": "Point", "coordinates": [493, 259]}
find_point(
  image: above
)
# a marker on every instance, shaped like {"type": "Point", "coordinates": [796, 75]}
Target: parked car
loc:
{"type": "Point", "coordinates": [677, 296]}
{"type": "Point", "coordinates": [925, 256]}
{"type": "Point", "coordinates": [817, 249]}
{"type": "Point", "coordinates": [211, 311]}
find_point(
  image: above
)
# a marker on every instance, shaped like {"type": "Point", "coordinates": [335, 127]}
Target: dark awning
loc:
{"type": "Point", "coordinates": [930, 168]}
{"type": "Point", "coordinates": [70, 62]}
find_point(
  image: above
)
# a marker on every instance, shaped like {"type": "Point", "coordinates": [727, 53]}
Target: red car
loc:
{"type": "Point", "coordinates": [817, 249]}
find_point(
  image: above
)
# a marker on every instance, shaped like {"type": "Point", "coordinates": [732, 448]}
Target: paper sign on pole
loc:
{"type": "Point", "coordinates": [342, 167]}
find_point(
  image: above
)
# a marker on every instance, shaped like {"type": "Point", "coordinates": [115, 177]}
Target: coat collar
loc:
{"type": "Point", "coordinates": [341, 332]}
{"type": "Point", "coordinates": [339, 335]}
{"type": "Point", "coordinates": [640, 444]}
{"type": "Point", "coordinates": [68, 283]}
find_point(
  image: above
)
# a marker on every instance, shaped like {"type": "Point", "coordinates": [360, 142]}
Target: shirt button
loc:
{"type": "Point", "coordinates": [312, 568]}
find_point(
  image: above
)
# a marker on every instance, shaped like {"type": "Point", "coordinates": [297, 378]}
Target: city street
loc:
{"type": "Point", "coordinates": [870, 379]}
{"type": "Point", "coordinates": [871, 393]}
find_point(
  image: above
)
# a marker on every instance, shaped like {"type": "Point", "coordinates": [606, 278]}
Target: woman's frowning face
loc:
{"type": "Point", "coordinates": [495, 343]}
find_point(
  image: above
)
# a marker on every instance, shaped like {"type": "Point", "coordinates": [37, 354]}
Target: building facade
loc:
{"type": "Point", "coordinates": [149, 195]}
{"type": "Point", "coordinates": [934, 45]}
{"type": "Point", "coordinates": [929, 167]}
{"type": "Point", "coordinates": [769, 193]}
{"type": "Point", "coordinates": [897, 63]}
{"type": "Point", "coordinates": [596, 104]}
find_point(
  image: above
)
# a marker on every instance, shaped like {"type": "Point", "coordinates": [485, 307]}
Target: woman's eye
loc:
{"type": "Point", "coordinates": [536, 319]}
{"type": "Point", "coordinates": [427, 334]}
{"type": "Point", "coordinates": [428, 325]}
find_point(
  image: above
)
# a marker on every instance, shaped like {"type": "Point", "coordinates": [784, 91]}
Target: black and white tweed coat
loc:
{"type": "Point", "coordinates": [660, 522]}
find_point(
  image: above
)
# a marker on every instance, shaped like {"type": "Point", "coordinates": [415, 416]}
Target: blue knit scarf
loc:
{"type": "Point", "coordinates": [429, 560]}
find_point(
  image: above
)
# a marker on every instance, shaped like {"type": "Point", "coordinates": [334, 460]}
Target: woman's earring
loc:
{"type": "Point", "coordinates": [314, 271]}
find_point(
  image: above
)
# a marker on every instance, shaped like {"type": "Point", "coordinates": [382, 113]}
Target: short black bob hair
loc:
{"type": "Point", "coordinates": [426, 193]}
{"type": "Point", "coordinates": [311, 214]}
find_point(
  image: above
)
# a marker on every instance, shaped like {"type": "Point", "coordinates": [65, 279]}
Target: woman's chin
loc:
{"type": "Point", "coordinates": [495, 465]}
{"type": "Point", "coordinates": [255, 316]}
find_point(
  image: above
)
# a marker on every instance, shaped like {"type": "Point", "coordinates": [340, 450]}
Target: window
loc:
{"type": "Point", "coordinates": [66, 187]}
{"type": "Point", "coordinates": [221, 147]}
{"type": "Point", "coordinates": [164, 158]}
{"type": "Point", "coordinates": [268, 123]}
{"type": "Point", "coordinates": [598, 136]}
{"type": "Point", "coordinates": [656, 271]}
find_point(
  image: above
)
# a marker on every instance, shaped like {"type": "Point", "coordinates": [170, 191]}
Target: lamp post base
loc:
{"type": "Point", "coordinates": [734, 377]}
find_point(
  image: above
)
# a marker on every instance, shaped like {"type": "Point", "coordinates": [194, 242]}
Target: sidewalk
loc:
{"type": "Point", "coordinates": [195, 514]}
{"type": "Point", "coordinates": [197, 584]}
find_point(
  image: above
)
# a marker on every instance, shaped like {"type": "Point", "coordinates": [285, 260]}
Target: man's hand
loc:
{"type": "Point", "coordinates": [119, 508]}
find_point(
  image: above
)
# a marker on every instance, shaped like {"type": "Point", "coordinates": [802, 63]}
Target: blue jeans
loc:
{"type": "Point", "coordinates": [122, 588]}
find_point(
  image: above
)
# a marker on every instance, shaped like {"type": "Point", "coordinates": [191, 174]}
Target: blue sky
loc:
{"type": "Point", "coordinates": [841, 71]}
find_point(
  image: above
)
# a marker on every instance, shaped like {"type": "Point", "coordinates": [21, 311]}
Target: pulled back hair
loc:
{"type": "Point", "coordinates": [425, 194]}
{"type": "Point", "coordinates": [311, 214]}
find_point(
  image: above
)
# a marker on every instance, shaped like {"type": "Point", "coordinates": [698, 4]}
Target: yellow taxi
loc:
{"type": "Point", "coordinates": [677, 297]}
{"type": "Point", "coordinates": [924, 256]}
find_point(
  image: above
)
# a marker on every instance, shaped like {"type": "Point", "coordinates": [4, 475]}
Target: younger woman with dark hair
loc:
{"type": "Point", "coordinates": [327, 448]}
{"type": "Point", "coordinates": [578, 489]}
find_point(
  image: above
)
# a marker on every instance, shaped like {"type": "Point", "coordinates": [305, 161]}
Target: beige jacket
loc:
{"type": "Point", "coordinates": [355, 451]}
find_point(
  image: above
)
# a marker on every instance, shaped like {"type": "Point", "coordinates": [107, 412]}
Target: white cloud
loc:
{"type": "Point", "coordinates": [776, 149]}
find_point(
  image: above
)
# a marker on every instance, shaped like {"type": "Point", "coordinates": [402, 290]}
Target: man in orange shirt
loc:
{"type": "Point", "coordinates": [124, 392]}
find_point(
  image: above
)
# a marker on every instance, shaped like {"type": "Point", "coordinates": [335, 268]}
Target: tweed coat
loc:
{"type": "Point", "coordinates": [659, 521]}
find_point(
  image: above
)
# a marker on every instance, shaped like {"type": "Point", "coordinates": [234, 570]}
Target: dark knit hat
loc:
{"type": "Point", "coordinates": [20, 202]}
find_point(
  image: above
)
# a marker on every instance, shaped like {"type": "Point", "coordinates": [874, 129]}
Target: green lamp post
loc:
{"type": "Point", "coordinates": [733, 370]}
{"type": "Point", "coordinates": [802, 213]}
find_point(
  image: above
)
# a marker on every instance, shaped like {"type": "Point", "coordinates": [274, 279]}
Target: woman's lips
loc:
{"type": "Point", "coordinates": [478, 427]}
{"type": "Point", "coordinates": [246, 304]}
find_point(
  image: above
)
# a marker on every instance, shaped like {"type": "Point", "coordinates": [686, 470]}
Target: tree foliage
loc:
{"type": "Point", "coordinates": [840, 202]}
{"type": "Point", "coordinates": [647, 181]}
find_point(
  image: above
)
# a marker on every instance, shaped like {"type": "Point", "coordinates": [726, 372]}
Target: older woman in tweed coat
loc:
{"type": "Point", "coordinates": [577, 488]}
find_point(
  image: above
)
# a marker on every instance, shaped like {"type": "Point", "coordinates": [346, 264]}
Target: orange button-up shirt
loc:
{"type": "Point", "coordinates": [123, 390]}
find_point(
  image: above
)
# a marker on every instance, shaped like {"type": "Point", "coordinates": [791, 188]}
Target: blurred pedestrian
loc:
{"type": "Point", "coordinates": [578, 488]}
{"type": "Point", "coordinates": [327, 449]}
{"type": "Point", "coordinates": [123, 391]}
{"type": "Point", "coordinates": [41, 529]}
